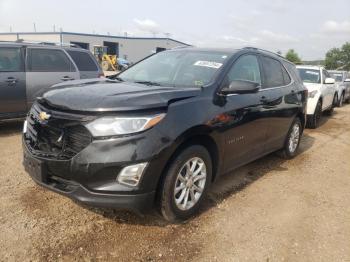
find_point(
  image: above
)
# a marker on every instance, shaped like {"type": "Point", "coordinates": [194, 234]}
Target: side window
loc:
{"type": "Point", "coordinates": [49, 60]}
{"type": "Point", "coordinates": [10, 59]}
{"type": "Point", "coordinates": [324, 75]}
{"type": "Point", "coordinates": [245, 68]}
{"type": "Point", "coordinates": [273, 72]}
{"type": "Point", "coordinates": [83, 60]}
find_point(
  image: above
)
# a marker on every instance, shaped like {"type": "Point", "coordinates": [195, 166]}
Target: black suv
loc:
{"type": "Point", "coordinates": [163, 130]}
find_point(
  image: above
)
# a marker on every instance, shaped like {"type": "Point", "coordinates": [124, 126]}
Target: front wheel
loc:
{"type": "Point", "coordinates": [185, 183]}
{"type": "Point", "coordinates": [292, 142]}
{"type": "Point", "coordinates": [330, 111]}
{"type": "Point", "coordinates": [341, 100]}
{"type": "Point", "coordinates": [314, 120]}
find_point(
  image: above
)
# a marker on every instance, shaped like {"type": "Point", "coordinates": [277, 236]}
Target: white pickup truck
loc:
{"type": "Point", "coordinates": [322, 92]}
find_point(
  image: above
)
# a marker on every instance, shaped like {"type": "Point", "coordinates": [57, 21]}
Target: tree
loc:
{"type": "Point", "coordinates": [346, 56]}
{"type": "Point", "coordinates": [338, 58]}
{"type": "Point", "coordinates": [293, 57]}
{"type": "Point", "coordinates": [333, 59]}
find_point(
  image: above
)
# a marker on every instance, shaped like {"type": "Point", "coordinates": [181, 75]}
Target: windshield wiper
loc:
{"type": "Point", "coordinates": [149, 83]}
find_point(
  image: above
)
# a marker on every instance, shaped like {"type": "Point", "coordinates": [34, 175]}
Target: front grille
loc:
{"type": "Point", "coordinates": [57, 137]}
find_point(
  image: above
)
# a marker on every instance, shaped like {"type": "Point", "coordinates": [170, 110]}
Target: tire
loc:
{"type": "Point", "coordinates": [173, 205]}
{"type": "Point", "coordinates": [341, 100]}
{"type": "Point", "coordinates": [292, 142]}
{"type": "Point", "coordinates": [105, 65]}
{"type": "Point", "coordinates": [314, 120]}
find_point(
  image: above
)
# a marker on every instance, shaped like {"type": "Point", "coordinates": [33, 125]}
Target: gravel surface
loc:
{"type": "Point", "coordinates": [269, 210]}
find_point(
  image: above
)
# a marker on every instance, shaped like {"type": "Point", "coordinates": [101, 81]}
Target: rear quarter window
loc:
{"type": "Point", "coordinates": [293, 72]}
{"type": "Point", "coordinates": [83, 60]}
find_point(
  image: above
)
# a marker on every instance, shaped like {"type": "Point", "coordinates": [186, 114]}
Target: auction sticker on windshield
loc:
{"type": "Point", "coordinates": [208, 64]}
{"type": "Point", "coordinates": [312, 73]}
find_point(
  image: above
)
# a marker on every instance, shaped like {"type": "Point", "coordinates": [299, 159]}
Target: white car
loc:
{"type": "Point", "coordinates": [342, 81]}
{"type": "Point", "coordinates": [322, 95]}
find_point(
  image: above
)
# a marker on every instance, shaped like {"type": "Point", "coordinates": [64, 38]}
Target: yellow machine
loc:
{"type": "Point", "coordinates": [107, 62]}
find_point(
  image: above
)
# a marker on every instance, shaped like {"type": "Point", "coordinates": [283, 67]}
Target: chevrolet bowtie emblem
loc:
{"type": "Point", "coordinates": [44, 116]}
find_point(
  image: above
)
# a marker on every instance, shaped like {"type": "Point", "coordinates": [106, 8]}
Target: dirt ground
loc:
{"type": "Point", "coordinates": [269, 210]}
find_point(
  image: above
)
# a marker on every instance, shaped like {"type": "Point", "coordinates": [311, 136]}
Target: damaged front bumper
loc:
{"type": "Point", "coordinates": [90, 177]}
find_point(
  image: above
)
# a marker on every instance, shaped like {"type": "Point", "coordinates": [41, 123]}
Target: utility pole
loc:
{"type": "Point", "coordinates": [10, 29]}
{"type": "Point", "coordinates": [34, 27]}
{"type": "Point", "coordinates": [54, 28]}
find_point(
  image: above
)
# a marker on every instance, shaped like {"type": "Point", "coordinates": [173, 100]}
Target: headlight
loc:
{"type": "Point", "coordinates": [312, 93]}
{"type": "Point", "coordinates": [111, 126]}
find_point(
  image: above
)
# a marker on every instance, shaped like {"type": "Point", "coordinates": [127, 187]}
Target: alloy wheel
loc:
{"type": "Point", "coordinates": [294, 138]}
{"type": "Point", "coordinates": [190, 183]}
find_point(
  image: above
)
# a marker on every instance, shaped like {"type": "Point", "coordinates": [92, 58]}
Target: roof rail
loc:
{"type": "Point", "coordinates": [260, 49]}
{"type": "Point", "coordinates": [44, 43]}
{"type": "Point", "coordinates": [180, 47]}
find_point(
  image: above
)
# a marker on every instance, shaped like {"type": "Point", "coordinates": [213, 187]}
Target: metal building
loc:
{"type": "Point", "coordinates": [130, 48]}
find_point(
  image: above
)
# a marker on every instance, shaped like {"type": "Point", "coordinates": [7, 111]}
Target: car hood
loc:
{"type": "Point", "coordinates": [99, 95]}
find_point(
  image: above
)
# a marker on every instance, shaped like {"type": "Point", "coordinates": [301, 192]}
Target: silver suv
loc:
{"type": "Point", "coordinates": [28, 70]}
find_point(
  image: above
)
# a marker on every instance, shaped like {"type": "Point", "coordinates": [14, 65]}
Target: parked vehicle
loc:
{"type": "Point", "coordinates": [342, 80]}
{"type": "Point", "coordinates": [123, 64]}
{"type": "Point", "coordinates": [322, 92]}
{"type": "Point", "coordinates": [27, 70]}
{"type": "Point", "coordinates": [165, 128]}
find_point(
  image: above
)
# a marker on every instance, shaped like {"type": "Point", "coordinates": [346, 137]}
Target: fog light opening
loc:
{"type": "Point", "coordinates": [131, 175]}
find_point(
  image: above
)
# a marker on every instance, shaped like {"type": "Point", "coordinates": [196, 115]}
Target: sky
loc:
{"type": "Point", "coordinates": [311, 27]}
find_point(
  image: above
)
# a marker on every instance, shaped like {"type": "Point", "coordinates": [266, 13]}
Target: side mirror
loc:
{"type": "Point", "coordinates": [329, 80]}
{"type": "Point", "coordinates": [241, 87]}
{"type": "Point", "coordinates": [347, 80]}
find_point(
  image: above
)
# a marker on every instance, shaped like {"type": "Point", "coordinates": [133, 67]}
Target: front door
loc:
{"type": "Point", "coordinates": [46, 67]}
{"type": "Point", "coordinates": [244, 126]}
{"type": "Point", "coordinates": [12, 82]}
{"type": "Point", "coordinates": [329, 90]}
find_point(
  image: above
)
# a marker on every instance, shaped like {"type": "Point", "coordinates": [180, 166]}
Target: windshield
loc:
{"type": "Point", "coordinates": [309, 75]}
{"type": "Point", "coordinates": [176, 68]}
{"type": "Point", "coordinates": [337, 76]}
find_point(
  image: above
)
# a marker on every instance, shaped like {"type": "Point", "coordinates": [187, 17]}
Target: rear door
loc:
{"type": "Point", "coordinates": [279, 102]}
{"type": "Point", "coordinates": [12, 81]}
{"type": "Point", "coordinates": [46, 67]}
{"type": "Point", "coordinates": [86, 63]}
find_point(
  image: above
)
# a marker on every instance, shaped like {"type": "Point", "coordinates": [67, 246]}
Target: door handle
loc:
{"type": "Point", "coordinates": [11, 80]}
{"type": "Point", "coordinates": [66, 78]}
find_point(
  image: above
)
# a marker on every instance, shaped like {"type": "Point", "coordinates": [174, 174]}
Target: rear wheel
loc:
{"type": "Point", "coordinates": [341, 100]}
{"type": "Point", "coordinates": [185, 184]}
{"type": "Point", "coordinates": [292, 142]}
{"type": "Point", "coordinates": [105, 65]}
{"type": "Point", "coordinates": [314, 120]}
